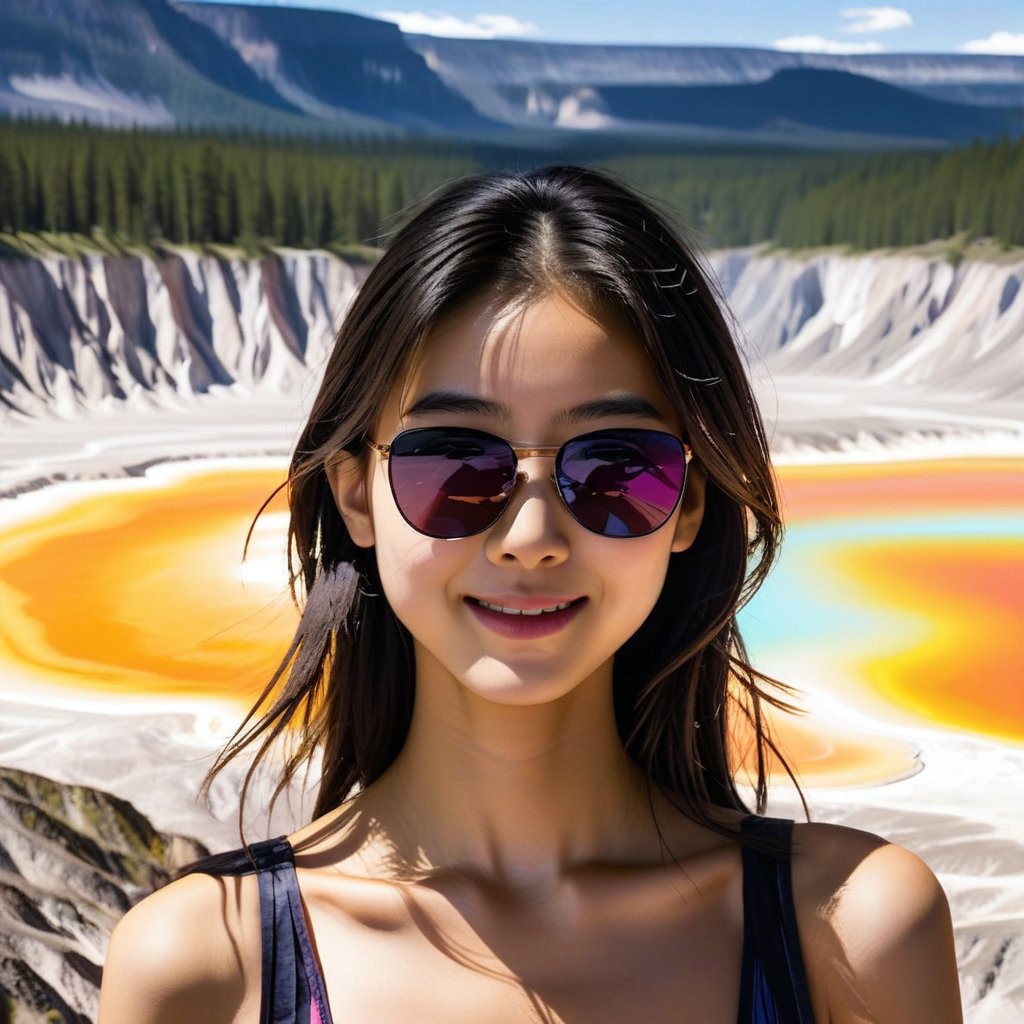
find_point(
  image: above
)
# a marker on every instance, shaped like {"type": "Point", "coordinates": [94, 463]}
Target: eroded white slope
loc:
{"type": "Point", "coordinates": [895, 320]}
{"type": "Point", "coordinates": [101, 331]}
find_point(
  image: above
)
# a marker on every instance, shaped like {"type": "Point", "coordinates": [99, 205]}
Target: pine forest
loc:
{"type": "Point", "coordinates": [136, 187]}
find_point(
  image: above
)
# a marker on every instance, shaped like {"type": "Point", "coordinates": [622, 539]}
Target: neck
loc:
{"type": "Point", "coordinates": [518, 795]}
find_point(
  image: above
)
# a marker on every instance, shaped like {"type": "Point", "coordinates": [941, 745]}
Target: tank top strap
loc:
{"type": "Point", "coordinates": [773, 987]}
{"type": "Point", "coordinates": [292, 987]}
{"type": "Point", "coordinates": [262, 856]}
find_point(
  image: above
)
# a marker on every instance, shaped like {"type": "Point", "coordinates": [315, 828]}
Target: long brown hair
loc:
{"type": "Point", "coordinates": [681, 681]}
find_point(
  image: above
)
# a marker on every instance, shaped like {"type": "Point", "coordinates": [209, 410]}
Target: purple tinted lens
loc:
{"type": "Point", "coordinates": [622, 483]}
{"type": "Point", "coordinates": [450, 482]}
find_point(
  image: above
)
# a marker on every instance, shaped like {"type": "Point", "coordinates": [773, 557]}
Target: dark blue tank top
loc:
{"type": "Point", "coordinates": [773, 983]}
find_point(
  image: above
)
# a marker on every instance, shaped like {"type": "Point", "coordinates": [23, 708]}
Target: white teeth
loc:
{"type": "Point", "coordinates": [521, 611]}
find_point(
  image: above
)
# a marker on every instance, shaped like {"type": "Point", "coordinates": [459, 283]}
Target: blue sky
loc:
{"type": "Point", "coordinates": [929, 26]}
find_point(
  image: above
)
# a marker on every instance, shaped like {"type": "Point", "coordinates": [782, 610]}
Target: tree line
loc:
{"type": "Point", "coordinates": [192, 187]}
{"type": "Point", "coordinates": [865, 200]}
{"type": "Point", "coordinates": [196, 188]}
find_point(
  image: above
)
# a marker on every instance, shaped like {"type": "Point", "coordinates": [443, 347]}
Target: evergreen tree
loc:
{"type": "Point", "coordinates": [8, 215]}
{"type": "Point", "coordinates": [90, 187]}
{"type": "Point", "coordinates": [206, 225]}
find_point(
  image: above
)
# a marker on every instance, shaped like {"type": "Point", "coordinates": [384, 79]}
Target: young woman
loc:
{"type": "Point", "coordinates": [533, 490]}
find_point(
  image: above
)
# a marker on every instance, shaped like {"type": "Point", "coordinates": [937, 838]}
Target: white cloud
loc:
{"type": "Point", "coordinates": [506, 25]}
{"type": "Point", "coordinates": [997, 42]}
{"type": "Point", "coordinates": [818, 44]}
{"type": "Point", "coordinates": [480, 26]}
{"type": "Point", "coordinates": [876, 19]}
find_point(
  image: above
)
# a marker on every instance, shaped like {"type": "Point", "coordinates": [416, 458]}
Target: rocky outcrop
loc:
{"type": "Point", "coordinates": [72, 861]}
{"type": "Point", "coordinates": [889, 319]}
{"type": "Point", "coordinates": [99, 331]}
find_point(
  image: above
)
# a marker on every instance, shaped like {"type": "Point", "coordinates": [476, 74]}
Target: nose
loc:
{"type": "Point", "coordinates": [532, 530]}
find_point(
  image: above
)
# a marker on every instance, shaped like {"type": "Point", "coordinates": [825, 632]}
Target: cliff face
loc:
{"type": "Point", "coordinates": [892, 320]}
{"type": "Point", "coordinates": [472, 65]}
{"type": "Point", "coordinates": [72, 861]}
{"type": "Point", "coordinates": [929, 96]}
{"type": "Point", "coordinates": [101, 332]}
{"type": "Point", "coordinates": [326, 62]}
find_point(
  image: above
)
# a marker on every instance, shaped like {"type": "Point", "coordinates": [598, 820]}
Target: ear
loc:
{"type": "Point", "coordinates": [347, 476]}
{"type": "Point", "coordinates": [691, 507]}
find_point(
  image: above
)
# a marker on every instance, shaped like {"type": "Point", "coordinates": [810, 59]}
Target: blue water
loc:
{"type": "Point", "coordinates": [809, 601]}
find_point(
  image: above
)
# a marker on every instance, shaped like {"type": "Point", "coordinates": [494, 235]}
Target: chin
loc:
{"type": "Point", "coordinates": [522, 686]}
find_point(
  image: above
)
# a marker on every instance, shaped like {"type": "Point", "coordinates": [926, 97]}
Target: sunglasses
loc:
{"type": "Point", "coordinates": [452, 482]}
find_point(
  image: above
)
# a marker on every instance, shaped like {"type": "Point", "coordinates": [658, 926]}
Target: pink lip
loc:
{"type": "Point", "coordinates": [526, 627]}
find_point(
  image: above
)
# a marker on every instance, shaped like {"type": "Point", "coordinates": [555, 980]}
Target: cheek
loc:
{"type": "Point", "coordinates": [406, 573]}
{"type": "Point", "coordinates": [635, 575]}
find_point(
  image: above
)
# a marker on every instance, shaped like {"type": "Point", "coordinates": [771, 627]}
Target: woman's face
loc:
{"type": "Point", "coordinates": [536, 377]}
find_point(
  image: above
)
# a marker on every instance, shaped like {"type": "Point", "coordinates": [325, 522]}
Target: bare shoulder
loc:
{"type": "Point", "coordinates": [875, 929]}
{"type": "Point", "coordinates": [189, 951]}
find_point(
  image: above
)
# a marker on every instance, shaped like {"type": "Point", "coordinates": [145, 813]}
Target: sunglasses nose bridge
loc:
{"type": "Point", "coordinates": [525, 454]}
{"type": "Point", "coordinates": [549, 454]}
{"type": "Point", "coordinates": [522, 476]}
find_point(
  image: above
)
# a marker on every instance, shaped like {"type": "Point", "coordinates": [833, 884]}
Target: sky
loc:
{"type": "Point", "coordinates": [924, 26]}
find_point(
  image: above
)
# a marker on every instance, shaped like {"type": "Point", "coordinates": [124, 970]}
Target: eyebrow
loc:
{"type": "Point", "coordinates": [625, 404]}
{"type": "Point", "coordinates": [456, 401]}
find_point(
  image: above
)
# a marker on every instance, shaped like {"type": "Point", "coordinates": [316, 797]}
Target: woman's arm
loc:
{"type": "Point", "coordinates": [876, 930]}
{"type": "Point", "coordinates": [189, 952]}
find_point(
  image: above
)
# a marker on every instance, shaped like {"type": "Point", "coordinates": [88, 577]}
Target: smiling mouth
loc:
{"type": "Point", "coordinates": [504, 610]}
{"type": "Point", "coordinates": [527, 624]}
